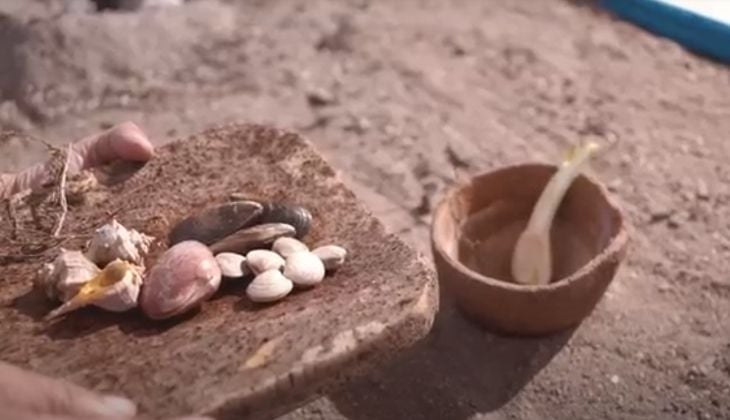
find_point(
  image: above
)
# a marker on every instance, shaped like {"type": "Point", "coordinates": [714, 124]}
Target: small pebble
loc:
{"type": "Point", "coordinates": [320, 97]}
{"type": "Point", "coordinates": [260, 260]}
{"type": "Point", "coordinates": [658, 213]}
{"type": "Point", "coordinates": [614, 185]}
{"type": "Point", "coordinates": [673, 222]}
{"type": "Point", "coordinates": [626, 159]}
{"type": "Point", "coordinates": [703, 191]}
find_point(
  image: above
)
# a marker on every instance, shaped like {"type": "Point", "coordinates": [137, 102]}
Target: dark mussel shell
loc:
{"type": "Point", "coordinates": [214, 224]}
{"type": "Point", "coordinates": [297, 216]}
{"type": "Point", "coordinates": [280, 212]}
{"type": "Point", "coordinates": [254, 237]}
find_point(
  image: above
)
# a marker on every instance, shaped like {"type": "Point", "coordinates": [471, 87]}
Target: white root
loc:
{"type": "Point", "coordinates": [532, 258]}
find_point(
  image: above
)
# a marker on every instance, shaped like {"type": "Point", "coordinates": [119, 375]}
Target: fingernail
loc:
{"type": "Point", "coordinates": [113, 406]}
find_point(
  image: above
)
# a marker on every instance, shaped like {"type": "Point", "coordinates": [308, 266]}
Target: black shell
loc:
{"type": "Point", "coordinates": [255, 237]}
{"type": "Point", "coordinates": [214, 224]}
{"type": "Point", "coordinates": [297, 216]}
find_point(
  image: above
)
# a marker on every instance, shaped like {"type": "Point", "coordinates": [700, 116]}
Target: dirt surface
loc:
{"type": "Point", "coordinates": [395, 94]}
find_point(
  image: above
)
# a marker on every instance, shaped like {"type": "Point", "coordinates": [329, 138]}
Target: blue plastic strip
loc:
{"type": "Point", "coordinates": [701, 34]}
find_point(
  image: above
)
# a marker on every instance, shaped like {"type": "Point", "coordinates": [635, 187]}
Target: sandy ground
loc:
{"type": "Point", "coordinates": [393, 93]}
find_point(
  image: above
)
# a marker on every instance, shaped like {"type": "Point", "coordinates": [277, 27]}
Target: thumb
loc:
{"type": "Point", "coordinates": [32, 393]}
{"type": "Point", "coordinates": [124, 142]}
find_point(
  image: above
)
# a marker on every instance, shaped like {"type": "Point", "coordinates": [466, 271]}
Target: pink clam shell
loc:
{"type": "Point", "coordinates": [184, 276]}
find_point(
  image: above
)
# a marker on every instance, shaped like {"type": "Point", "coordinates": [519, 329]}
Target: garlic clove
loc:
{"type": "Point", "coordinates": [332, 256]}
{"type": "Point", "coordinates": [269, 286]}
{"type": "Point", "coordinates": [184, 277]}
{"type": "Point", "coordinates": [232, 265]}
{"type": "Point", "coordinates": [286, 246]}
{"type": "Point", "coordinates": [304, 269]}
{"type": "Point", "coordinates": [260, 260]}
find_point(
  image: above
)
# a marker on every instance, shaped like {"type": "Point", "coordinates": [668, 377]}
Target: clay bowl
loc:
{"type": "Point", "coordinates": [474, 231]}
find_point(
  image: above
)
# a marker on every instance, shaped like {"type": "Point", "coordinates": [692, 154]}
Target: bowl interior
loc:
{"type": "Point", "coordinates": [478, 224]}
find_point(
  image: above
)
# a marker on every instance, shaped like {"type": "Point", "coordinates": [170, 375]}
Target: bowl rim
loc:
{"type": "Point", "coordinates": [615, 246]}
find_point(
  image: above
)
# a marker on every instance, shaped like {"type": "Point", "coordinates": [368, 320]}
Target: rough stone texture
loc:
{"type": "Point", "coordinates": [414, 87]}
{"type": "Point", "coordinates": [233, 357]}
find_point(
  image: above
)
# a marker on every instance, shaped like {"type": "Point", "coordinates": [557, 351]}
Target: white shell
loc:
{"type": "Point", "coordinates": [304, 269]}
{"type": "Point", "coordinates": [260, 260]}
{"type": "Point", "coordinates": [232, 265]}
{"type": "Point", "coordinates": [113, 241]}
{"type": "Point", "coordinates": [62, 278]}
{"type": "Point", "coordinates": [269, 286]}
{"type": "Point", "coordinates": [286, 246]}
{"type": "Point", "coordinates": [122, 295]}
{"type": "Point", "coordinates": [119, 297]}
{"type": "Point", "coordinates": [332, 256]}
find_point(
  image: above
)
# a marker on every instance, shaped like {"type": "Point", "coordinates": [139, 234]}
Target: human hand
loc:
{"type": "Point", "coordinates": [124, 141]}
{"type": "Point", "coordinates": [26, 395]}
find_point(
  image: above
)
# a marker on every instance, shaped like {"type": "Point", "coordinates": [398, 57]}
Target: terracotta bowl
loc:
{"type": "Point", "coordinates": [474, 231]}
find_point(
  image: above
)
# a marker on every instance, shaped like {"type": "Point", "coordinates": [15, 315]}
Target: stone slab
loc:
{"type": "Point", "coordinates": [231, 358]}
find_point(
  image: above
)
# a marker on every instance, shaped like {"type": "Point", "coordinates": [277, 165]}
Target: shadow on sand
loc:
{"type": "Point", "coordinates": [457, 371]}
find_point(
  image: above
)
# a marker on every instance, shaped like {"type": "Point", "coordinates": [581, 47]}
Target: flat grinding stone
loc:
{"type": "Point", "coordinates": [231, 358]}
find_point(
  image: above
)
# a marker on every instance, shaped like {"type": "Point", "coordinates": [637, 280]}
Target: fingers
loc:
{"type": "Point", "coordinates": [28, 392]}
{"type": "Point", "coordinates": [124, 141]}
{"type": "Point", "coordinates": [29, 178]}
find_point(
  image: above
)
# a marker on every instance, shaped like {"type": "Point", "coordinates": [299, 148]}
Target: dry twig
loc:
{"type": "Point", "coordinates": [55, 183]}
{"type": "Point", "coordinates": [62, 194]}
